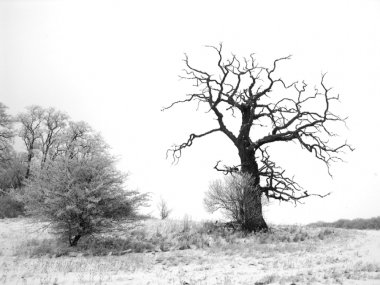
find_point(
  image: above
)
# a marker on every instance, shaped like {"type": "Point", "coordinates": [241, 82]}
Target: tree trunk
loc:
{"type": "Point", "coordinates": [29, 161]}
{"type": "Point", "coordinates": [251, 210]}
{"type": "Point", "coordinates": [74, 241]}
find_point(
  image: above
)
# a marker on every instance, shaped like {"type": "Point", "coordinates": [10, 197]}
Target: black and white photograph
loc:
{"type": "Point", "coordinates": [189, 142]}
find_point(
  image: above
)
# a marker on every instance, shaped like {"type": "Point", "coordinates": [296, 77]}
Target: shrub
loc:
{"type": "Point", "coordinates": [163, 209]}
{"type": "Point", "coordinates": [12, 172]}
{"type": "Point", "coordinates": [234, 197]}
{"type": "Point", "coordinates": [81, 196]}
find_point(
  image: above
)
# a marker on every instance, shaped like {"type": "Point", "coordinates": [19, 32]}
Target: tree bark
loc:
{"type": "Point", "coordinates": [29, 161]}
{"type": "Point", "coordinates": [74, 241]}
{"type": "Point", "coordinates": [251, 211]}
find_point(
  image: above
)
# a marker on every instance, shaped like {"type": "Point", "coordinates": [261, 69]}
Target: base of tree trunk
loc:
{"type": "Point", "coordinates": [74, 241]}
{"type": "Point", "coordinates": [257, 224]}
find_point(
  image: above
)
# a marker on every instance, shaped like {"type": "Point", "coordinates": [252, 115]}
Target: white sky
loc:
{"type": "Point", "coordinates": [115, 64]}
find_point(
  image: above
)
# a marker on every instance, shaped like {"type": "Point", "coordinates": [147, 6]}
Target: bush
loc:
{"type": "Point", "coordinates": [12, 172]}
{"type": "Point", "coordinates": [236, 197]}
{"type": "Point", "coordinates": [10, 207]}
{"type": "Point", "coordinates": [81, 197]}
{"type": "Point", "coordinates": [163, 209]}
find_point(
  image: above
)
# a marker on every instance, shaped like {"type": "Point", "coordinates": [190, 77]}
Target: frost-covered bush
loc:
{"type": "Point", "coordinates": [82, 196]}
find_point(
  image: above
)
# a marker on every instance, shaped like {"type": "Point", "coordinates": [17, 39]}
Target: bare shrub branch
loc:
{"type": "Point", "coordinates": [163, 209]}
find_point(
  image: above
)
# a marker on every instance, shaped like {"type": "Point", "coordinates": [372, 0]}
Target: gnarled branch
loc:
{"type": "Point", "coordinates": [176, 150]}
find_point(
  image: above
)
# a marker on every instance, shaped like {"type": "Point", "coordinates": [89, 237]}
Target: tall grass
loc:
{"type": "Point", "coordinates": [169, 235]}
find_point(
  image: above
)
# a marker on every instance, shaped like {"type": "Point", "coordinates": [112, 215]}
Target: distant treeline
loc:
{"type": "Point", "coordinates": [361, 224]}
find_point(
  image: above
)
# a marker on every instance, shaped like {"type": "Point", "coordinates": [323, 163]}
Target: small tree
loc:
{"type": "Point", "coordinates": [234, 197]}
{"type": "Point", "coordinates": [81, 196]}
{"type": "Point", "coordinates": [163, 209]}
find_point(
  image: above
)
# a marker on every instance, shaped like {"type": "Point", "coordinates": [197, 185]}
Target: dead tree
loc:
{"type": "Point", "coordinates": [242, 89]}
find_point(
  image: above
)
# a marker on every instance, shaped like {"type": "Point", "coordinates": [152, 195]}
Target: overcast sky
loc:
{"type": "Point", "coordinates": [115, 64]}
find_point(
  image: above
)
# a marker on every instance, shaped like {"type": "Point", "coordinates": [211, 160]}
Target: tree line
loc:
{"type": "Point", "coordinates": [47, 134]}
{"type": "Point", "coordinates": [359, 224]}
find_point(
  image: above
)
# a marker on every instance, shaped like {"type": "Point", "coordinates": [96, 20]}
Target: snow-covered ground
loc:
{"type": "Point", "coordinates": [348, 257]}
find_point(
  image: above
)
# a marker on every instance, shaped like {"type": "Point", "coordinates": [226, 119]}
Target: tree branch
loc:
{"type": "Point", "coordinates": [176, 150]}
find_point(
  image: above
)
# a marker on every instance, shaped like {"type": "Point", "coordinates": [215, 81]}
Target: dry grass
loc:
{"type": "Point", "coordinates": [163, 236]}
{"type": "Point", "coordinates": [174, 252]}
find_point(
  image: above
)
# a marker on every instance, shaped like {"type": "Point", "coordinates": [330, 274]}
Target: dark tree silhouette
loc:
{"type": "Point", "coordinates": [242, 89]}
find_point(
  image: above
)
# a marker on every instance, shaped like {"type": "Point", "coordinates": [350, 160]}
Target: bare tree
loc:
{"type": "Point", "coordinates": [12, 170]}
{"type": "Point", "coordinates": [163, 209]}
{"type": "Point", "coordinates": [48, 133]}
{"type": "Point", "coordinates": [79, 140]}
{"type": "Point", "coordinates": [53, 124]}
{"type": "Point", "coordinates": [70, 139]}
{"type": "Point", "coordinates": [242, 89]}
{"type": "Point", "coordinates": [6, 132]}
{"type": "Point", "coordinates": [30, 131]}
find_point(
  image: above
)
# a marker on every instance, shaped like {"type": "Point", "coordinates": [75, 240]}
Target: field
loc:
{"type": "Point", "coordinates": [186, 252]}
